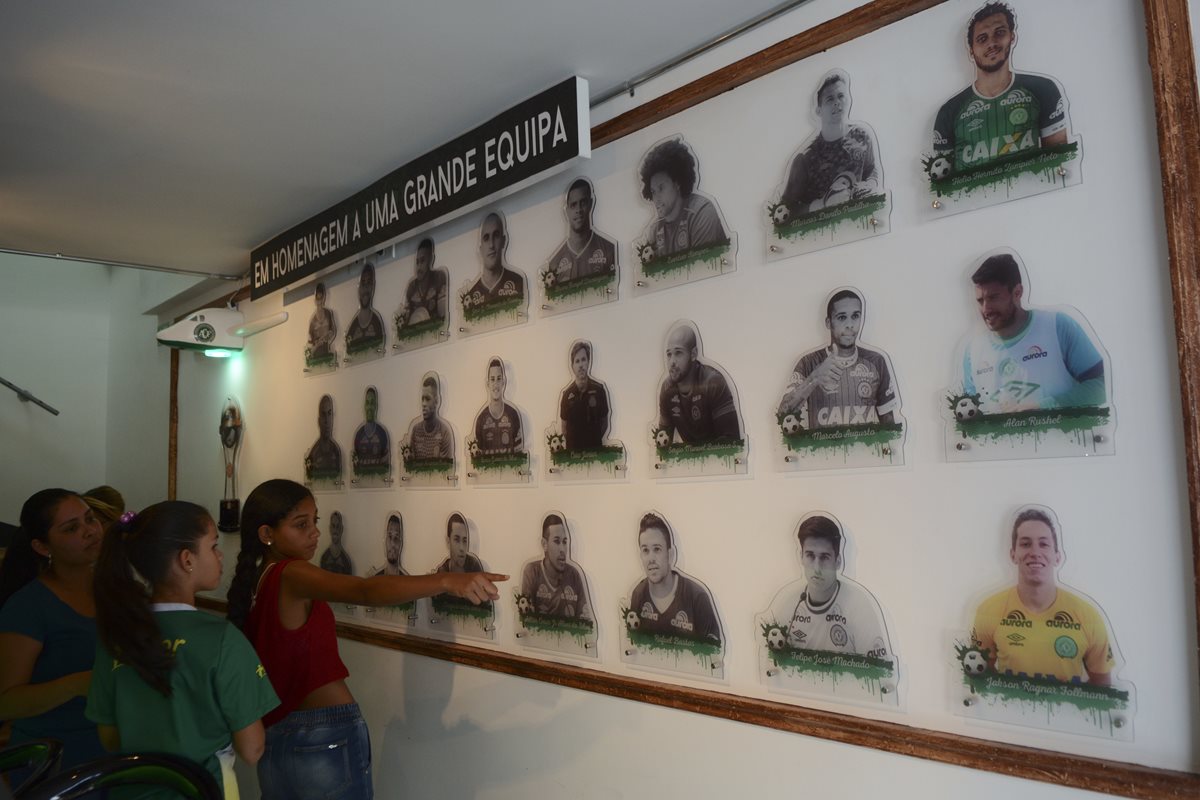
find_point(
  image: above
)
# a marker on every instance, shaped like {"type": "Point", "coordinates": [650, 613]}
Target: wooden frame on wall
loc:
{"type": "Point", "coordinates": [1177, 108]}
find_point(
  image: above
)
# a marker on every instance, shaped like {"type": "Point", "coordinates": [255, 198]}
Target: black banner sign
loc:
{"type": "Point", "coordinates": [507, 152]}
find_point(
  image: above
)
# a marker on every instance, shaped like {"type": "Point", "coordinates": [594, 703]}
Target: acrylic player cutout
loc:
{"type": "Point", "coordinates": [577, 441]}
{"type": "Point", "coordinates": [335, 558]}
{"type": "Point", "coordinates": [427, 450]}
{"type": "Point", "coordinates": [554, 605]}
{"type": "Point", "coordinates": [825, 634]}
{"type": "Point", "coordinates": [1028, 382]}
{"type": "Point", "coordinates": [365, 333]}
{"type": "Point", "coordinates": [423, 318]}
{"type": "Point", "coordinates": [687, 239]}
{"type": "Point", "coordinates": [1041, 653]}
{"type": "Point", "coordinates": [320, 353]}
{"type": "Point", "coordinates": [833, 190]}
{"type": "Point", "coordinates": [497, 447]}
{"type": "Point", "coordinates": [231, 431]}
{"type": "Point", "coordinates": [323, 461]}
{"type": "Point", "coordinates": [699, 428]}
{"type": "Point", "coordinates": [401, 614]}
{"type": "Point", "coordinates": [497, 298]}
{"type": "Point", "coordinates": [452, 614]}
{"type": "Point", "coordinates": [670, 621]}
{"type": "Point", "coordinates": [841, 406]}
{"type": "Point", "coordinates": [583, 270]}
{"type": "Point", "coordinates": [1005, 136]}
{"type": "Point", "coordinates": [371, 457]}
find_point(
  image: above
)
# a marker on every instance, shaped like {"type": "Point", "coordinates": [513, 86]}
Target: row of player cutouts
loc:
{"type": "Point", "coordinates": [1006, 136]}
{"type": "Point", "coordinates": [1038, 652]}
{"type": "Point", "coordinates": [1029, 382]}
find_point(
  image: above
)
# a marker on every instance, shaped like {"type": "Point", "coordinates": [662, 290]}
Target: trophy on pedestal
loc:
{"type": "Point", "coordinates": [231, 441]}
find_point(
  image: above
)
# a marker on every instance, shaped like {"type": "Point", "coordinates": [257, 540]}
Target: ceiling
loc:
{"type": "Point", "coordinates": [181, 134]}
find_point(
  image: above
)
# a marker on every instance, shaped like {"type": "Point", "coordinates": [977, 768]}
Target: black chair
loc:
{"type": "Point", "coordinates": [40, 756]}
{"type": "Point", "coordinates": [186, 777]}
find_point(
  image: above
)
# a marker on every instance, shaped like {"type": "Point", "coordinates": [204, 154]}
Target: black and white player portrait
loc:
{"type": "Point", "coordinates": [826, 611]}
{"type": "Point", "coordinates": [666, 602]}
{"type": "Point", "coordinates": [697, 402]}
{"type": "Point", "coordinates": [323, 462]}
{"type": "Point", "coordinates": [553, 585]}
{"type": "Point", "coordinates": [429, 435]}
{"type": "Point", "coordinates": [498, 425]}
{"type": "Point", "coordinates": [335, 558]}
{"type": "Point", "coordinates": [393, 547]}
{"type": "Point", "coordinates": [498, 286]}
{"type": "Point", "coordinates": [842, 382]}
{"type": "Point", "coordinates": [425, 296]}
{"type": "Point", "coordinates": [460, 559]}
{"type": "Point", "coordinates": [322, 330]}
{"type": "Point", "coordinates": [372, 445]}
{"type": "Point", "coordinates": [583, 404]}
{"type": "Point", "coordinates": [1003, 115]}
{"type": "Point", "coordinates": [366, 329]}
{"type": "Point", "coordinates": [685, 220]}
{"type": "Point", "coordinates": [840, 163]}
{"type": "Point", "coordinates": [586, 255]}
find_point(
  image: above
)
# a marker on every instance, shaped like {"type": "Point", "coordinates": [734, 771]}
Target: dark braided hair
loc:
{"type": "Point", "coordinates": [268, 504]}
{"type": "Point", "coordinates": [145, 547]}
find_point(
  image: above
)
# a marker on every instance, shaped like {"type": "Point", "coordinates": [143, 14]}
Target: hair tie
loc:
{"type": "Point", "coordinates": [127, 517]}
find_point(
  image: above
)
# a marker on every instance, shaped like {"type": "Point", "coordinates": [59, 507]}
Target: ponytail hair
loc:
{"type": "Point", "coordinates": [22, 563]}
{"type": "Point", "coordinates": [268, 504]}
{"type": "Point", "coordinates": [137, 556]}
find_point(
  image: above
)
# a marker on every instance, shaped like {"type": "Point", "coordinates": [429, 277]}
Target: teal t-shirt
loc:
{"type": "Point", "coordinates": [218, 686]}
{"type": "Point", "coordinates": [68, 642]}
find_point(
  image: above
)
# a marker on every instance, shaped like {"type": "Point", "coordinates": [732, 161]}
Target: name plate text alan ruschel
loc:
{"type": "Point", "coordinates": [520, 146]}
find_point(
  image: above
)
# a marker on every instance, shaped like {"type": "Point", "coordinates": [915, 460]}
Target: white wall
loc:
{"type": "Point", "coordinates": [77, 336]}
{"type": "Point", "coordinates": [931, 536]}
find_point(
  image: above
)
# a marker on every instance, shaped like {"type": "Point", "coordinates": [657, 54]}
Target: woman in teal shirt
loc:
{"type": "Point", "coordinates": [47, 624]}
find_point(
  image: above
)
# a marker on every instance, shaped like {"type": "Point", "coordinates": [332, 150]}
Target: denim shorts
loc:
{"type": "Point", "coordinates": [322, 754]}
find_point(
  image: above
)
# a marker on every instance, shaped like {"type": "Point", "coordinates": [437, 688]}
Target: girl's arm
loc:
{"type": "Point", "coordinates": [250, 742]}
{"type": "Point", "coordinates": [305, 581]}
{"type": "Point", "coordinates": [20, 699]}
{"type": "Point", "coordinates": [110, 737]}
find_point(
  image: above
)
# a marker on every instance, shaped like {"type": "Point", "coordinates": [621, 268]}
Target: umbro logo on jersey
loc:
{"type": "Point", "coordinates": [1016, 638]}
{"type": "Point", "coordinates": [1016, 619]}
{"type": "Point", "coordinates": [1063, 620]}
{"type": "Point", "coordinates": [1035, 352]}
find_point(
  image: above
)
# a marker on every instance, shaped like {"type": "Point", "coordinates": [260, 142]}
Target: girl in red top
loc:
{"type": "Point", "coordinates": [317, 742]}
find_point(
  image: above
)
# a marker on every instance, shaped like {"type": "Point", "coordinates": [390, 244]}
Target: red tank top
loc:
{"type": "Point", "coordinates": [299, 661]}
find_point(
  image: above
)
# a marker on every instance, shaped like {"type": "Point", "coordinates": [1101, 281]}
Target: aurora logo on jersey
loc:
{"type": "Point", "coordinates": [976, 106]}
{"type": "Point", "coordinates": [1016, 619]}
{"type": "Point", "coordinates": [680, 621]}
{"type": "Point", "coordinates": [1035, 352]}
{"type": "Point", "coordinates": [648, 611]}
{"type": "Point", "coordinates": [1016, 96]}
{"type": "Point", "coordinates": [1063, 620]}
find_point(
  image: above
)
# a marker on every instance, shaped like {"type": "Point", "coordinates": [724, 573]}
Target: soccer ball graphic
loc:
{"type": "Point", "coordinates": [550, 279]}
{"type": "Point", "coordinates": [662, 438]}
{"type": "Point", "coordinates": [790, 424]}
{"type": "Point", "coordinates": [557, 444]}
{"type": "Point", "coordinates": [776, 638]}
{"type": "Point", "coordinates": [940, 168]}
{"type": "Point", "coordinates": [645, 252]}
{"type": "Point", "coordinates": [780, 214]}
{"type": "Point", "coordinates": [523, 605]}
{"type": "Point", "coordinates": [474, 448]}
{"type": "Point", "coordinates": [973, 662]}
{"type": "Point", "coordinates": [632, 621]}
{"type": "Point", "coordinates": [966, 409]}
